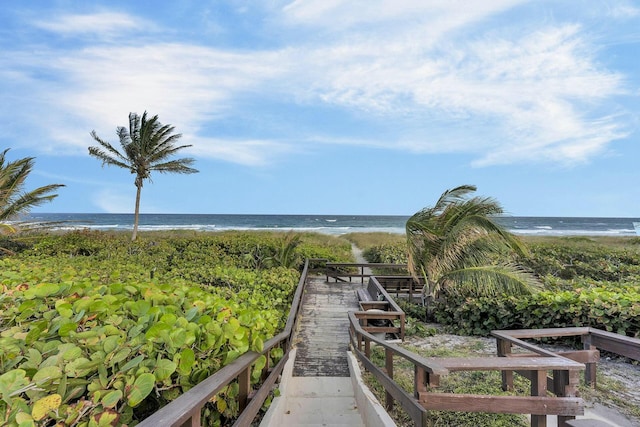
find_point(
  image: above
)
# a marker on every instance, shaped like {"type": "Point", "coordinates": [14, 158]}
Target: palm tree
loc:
{"type": "Point", "coordinates": [456, 246]}
{"type": "Point", "coordinates": [146, 147]}
{"type": "Point", "coordinates": [14, 201]}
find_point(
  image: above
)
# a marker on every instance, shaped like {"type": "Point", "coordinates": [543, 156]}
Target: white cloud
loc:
{"type": "Point", "coordinates": [246, 152]}
{"type": "Point", "coordinates": [532, 92]}
{"type": "Point", "coordinates": [103, 23]}
{"type": "Point", "coordinates": [113, 201]}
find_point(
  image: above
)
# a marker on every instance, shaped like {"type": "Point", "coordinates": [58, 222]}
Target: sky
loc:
{"type": "Point", "coordinates": [331, 106]}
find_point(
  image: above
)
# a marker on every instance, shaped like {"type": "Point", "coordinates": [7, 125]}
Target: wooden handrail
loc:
{"type": "Point", "coordinates": [185, 410]}
{"type": "Point", "coordinates": [593, 339]}
{"type": "Point", "coordinates": [331, 269]}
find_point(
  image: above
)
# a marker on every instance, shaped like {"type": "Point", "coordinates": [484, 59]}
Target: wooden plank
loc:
{"type": "Point", "coordinates": [506, 363]}
{"type": "Point", "coordinates": [541, 405]}
{"type": "Point", "coordinates": [580, 356]}
{"type": "Point", "coordinates": [616, 343]}
{"type": "Point", "coordinates": [544, 332]}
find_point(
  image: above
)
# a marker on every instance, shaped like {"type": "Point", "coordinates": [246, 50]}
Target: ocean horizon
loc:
{"type": "Point", "coordinates": [326, 224]}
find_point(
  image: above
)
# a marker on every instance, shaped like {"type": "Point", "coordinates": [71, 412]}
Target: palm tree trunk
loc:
{"type": "Point", "coordinates": [428, 299]}
{"type": "Point", "coordinates": [136, 215]}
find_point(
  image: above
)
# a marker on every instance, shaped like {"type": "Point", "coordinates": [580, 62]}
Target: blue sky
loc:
{"type": "Point", "coordinates": [331, 106]}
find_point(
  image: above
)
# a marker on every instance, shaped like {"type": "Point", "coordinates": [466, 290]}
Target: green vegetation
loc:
{"type": "Point", "coordinates": [587, 281]}
{"type": "Point", "coordinates": [14, 200]}
{"type": "Point", "coordinates": [146, 146]}
{"type": "Point", "coordinates": [459, 250]}
{"type": "Point", "coordinates": [98, 330]}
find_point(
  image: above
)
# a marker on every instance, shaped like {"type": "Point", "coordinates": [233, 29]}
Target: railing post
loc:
{"type": "Point", "coordinates": [590, 371]}
{"type": "Point", "coordinates": [538, 388]}
{"type": "Point", "coordinates": [504, 349]}
{"type": "Point", "coordinates": [388, 353]}
{"type": "Point", "coordinates": [244, 385]}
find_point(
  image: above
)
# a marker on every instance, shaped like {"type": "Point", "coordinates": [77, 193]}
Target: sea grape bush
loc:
{"type": "Point", "coordinates": [612, 308]}
{"type": "Point", "coordinates": [118, 349]}
{"type": "Point", "coordinates": [95, 331]}
{"type": "Point", "coordinates": [393, 253]}
{"type": "Point", "coordinates": [586, 284]}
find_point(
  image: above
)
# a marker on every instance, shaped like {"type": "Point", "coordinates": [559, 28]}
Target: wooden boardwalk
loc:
{"type": "Point", "coordinates": [322, 338]}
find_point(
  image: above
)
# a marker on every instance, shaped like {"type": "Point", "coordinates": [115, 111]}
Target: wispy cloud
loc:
{"type": "Point", "coordinates": [102, 23]}
{"type": "Point", "coordinates": [112, 201]}
{"type": "Point", "coordinates": [425, 68]}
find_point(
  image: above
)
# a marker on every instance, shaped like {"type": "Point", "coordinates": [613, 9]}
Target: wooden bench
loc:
{"type": "Point", "coordinates": [402, 286]}
{"type": "Point", "coordinates": [379, 312]}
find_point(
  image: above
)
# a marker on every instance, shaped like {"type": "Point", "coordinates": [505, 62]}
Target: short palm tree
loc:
{"type": "Point", "coordinates": [457, 246]}
{"type": "Point", "coordinates": [146, 146]}
{"type": "Point", "coordinates": [14, 201]}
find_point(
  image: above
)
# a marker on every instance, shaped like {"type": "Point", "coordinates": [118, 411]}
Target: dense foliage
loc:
{"type": "Point", "coordinates": [96, 330]}
{"type": "Point", "coordinates": [587, 282]}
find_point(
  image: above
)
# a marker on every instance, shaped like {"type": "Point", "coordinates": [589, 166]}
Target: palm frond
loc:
{"type": "Point", "coordinates": [491, 280]}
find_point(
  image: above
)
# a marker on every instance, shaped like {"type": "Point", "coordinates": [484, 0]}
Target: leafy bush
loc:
{"type": "Point", "coordinates": [612, 308]}
{"type": "Point", "coordinates": [97, 330]}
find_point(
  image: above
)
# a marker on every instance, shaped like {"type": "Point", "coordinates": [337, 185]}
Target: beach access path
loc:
{"type": "Point", "coordinates": [321, 385]}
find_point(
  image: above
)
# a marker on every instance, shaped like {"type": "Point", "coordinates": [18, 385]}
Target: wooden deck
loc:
{"type": "Point", "coordinates": [322, 338]}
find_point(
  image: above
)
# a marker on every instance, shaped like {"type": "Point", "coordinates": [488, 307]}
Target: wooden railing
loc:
{"type": "Point", "coordinates": [341, 270]}
{"type": "Point", "coordinates": [185, 410]}
{"type": "Point", "coordinates": [593, 341]}
{"type": "Point", "coordinates": [428, 371]}
{"type": "Point", "coordinates": [361, 341]}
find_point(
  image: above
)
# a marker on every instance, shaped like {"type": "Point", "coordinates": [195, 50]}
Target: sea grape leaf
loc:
{"type": "Point", "coordinates": [106, 418]}
{"type": "Point", "coordinates": [110, 343]}
{"type": "Point", "coordinates": [42, 406]}
{"type": "Point", "coordinates": [141, 388]}
{"type": "Point", "coordinates": [158, 330]}
{"type": "Point", "coordinates": [111, 399]}
{"type": "Point", "coordinates": [221, 404]}
{"type": "Point", "coordinates": [44, 290]}
{"type": "Point", "coordinates": [121, 355]}
{"type": "Point", "coordinates": [72, 353]}
{"type": "Point", "coordinates": [66, 329]}
{"type": "Point", "coordinates": [164, 368]}
{"type": "Point", "coordinates": [191, 313]}
{"type": "Point", "coordinates": [257, 345]}
{"type": "Point", "coordinates": [231, 356]}
{"type": "Point", "coordinates": [48, 374]}
{"type": "Point", "coordinates": [178, 337]}
{"type": "Point", "coordinates": [33, 335]}
{"type": "Point", "coordinates": [65, 310]}
{"type": "Point", "coordinates": [11, 382]}
{"type": "Point", "coordinates": [132, 363]}
{"type": "Point", "coordinates": [140, 308]}
{"type": "Point", "coordinates": [187, 360]}
{"type": "Point", "coordinates": [79, 367]}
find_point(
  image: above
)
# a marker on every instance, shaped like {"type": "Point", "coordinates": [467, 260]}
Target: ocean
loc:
{"type": "Point", "coordinates": [328, 224]}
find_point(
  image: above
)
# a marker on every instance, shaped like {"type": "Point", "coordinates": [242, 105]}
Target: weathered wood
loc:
{"type": "Point", "coordinates": [453, 364]}
{"type": "Point", "coordinates": [542, 405]}
{"type": "Point", "coordinates": [616, 343]}
{"type": "Point", "coordinates": [580, 356]}
{"type": "Point", "coordinates": [546, 332]}
{"type": "Point", "coordinates": [322, 339]}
